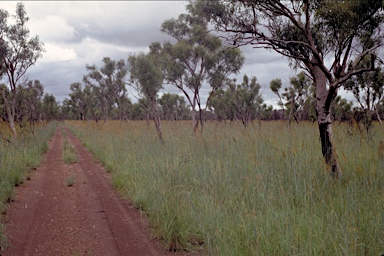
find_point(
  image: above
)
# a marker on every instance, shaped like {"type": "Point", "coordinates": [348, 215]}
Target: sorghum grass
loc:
{"type": "Point", "coordinates": [263, 190]}
{"type": "Point", "coordinates": [18, 157]}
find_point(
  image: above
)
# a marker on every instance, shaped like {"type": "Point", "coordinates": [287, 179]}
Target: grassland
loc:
{"type": "Point", "coordinates": [262, 190]}
{"type": "Point", "coordinates": [18, 157]}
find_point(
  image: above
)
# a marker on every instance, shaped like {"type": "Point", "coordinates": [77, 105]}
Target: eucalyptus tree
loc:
{"type": "Point", "coordinates": [266, 112]}
{"type": "Point", "coordinates": [124, 107]}
{"type": "Point", "coordinates": [18, 52]}
{"type": "Point", "coordinates": [246, 98]}
{"type": "Point", "coordinates": [67, 110]}
{"type": "Point", "coordinates": [328, 39]}
{"type": "Point", "coordinates": [139, 111]}
{"type": "Point", "coordinates": [181, 109]}
{"type": "Point", "coordinates": [380, 108]}
{"type": "Point", "coordinates": [83, 103]}
{"type": "Point", "coordinates": [168, 103]}
{"type": "Point", "coordinates": [238, 101]}
{"type": "Point", "coordinates": [342, 109]}
{"type": "Point", "coordinates": [92, 99]}
{"type": "Point", "coordinates": [107, 83]}
{"type": "Point", "coordinates": [197, 58]}
{"type": "Point", "coordinates": [172, 106]}
{"type": "Point", "coordinates": [50, 107]}
{"type": "Point", "coordinates": [31, 95]}
{"type": "Point", "coordinates": [78, 100]}
{"type": "Point", "coordinates": [21, 105]}
{"type": "Point", "coordinates": [220, 105]}
{"type": "Point", "coordinates": [368, 90]}
{"type": "Point", "coordinates": [3, 112]}
{"type": "Point", "coordinates": [147, 77]}
{"type": "Point", "coordinates": [275, 86]}
{"type": "Point", "coordinates": [297, 97]}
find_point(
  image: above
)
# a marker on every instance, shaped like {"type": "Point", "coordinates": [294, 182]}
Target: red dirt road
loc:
{"type": "Point", "coordinates": [48, 217]}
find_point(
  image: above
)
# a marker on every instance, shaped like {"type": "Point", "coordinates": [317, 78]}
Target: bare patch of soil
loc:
{"type": "Point", "coordinates": [73, 210]}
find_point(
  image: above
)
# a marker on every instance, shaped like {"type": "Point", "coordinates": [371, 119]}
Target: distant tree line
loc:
{"type": "Point", "coordinates": [233, 101]}
{"type": "Point", "coordinates": [31, 104]}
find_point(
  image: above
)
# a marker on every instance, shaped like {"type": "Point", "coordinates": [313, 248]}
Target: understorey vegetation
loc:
{"type": "Point", "coordinates": [19, 157]}
{"type": "Point", "coordinates": [263, 190]}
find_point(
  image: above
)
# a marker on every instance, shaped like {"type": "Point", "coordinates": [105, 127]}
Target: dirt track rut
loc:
{"type": "Point", "coordinates": [48, 217]}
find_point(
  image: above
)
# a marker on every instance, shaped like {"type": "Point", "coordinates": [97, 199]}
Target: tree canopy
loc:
{"type": "Point", "coordinates": [107, 83]}
{"type": "Point", "coordinates": [18, 52]}
{"type": "Point", "coordinates": [328, 39]}
{"type": "Point", "coordinates": [147, 76]}
{"type": "Point", "coordinates": [196, 58]}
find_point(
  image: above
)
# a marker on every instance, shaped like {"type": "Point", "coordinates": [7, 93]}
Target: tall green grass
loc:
{"type": "Point", "coordinates": [262, 190]}
{"type": "Point", "coordinates": [18, 158]}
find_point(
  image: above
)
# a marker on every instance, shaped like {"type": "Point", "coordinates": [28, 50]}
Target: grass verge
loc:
{"type": "Point", "coordinates": [18, 159]}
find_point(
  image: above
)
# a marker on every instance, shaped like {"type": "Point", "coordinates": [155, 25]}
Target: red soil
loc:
{"type": "Point", "coordinates": [48, 217]}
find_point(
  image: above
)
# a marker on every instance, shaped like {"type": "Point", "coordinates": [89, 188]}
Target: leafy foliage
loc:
{"type": "Point", "coordinates": [196, 58]}
{"type": "Point", "coordinates": [147, 76]}
{"type": "Point", "coordinates": [246, 98]}
{"type": "Point", "coordinates": [18, 53]}
{"type": "Point", "coordinates": [328, 39]}
{"type": "Point", "coordinates": [173, 106]}
{"type": "Point", "coordinates": [107, 83]}
{"type": "Point", "coordinates": [368, 90]}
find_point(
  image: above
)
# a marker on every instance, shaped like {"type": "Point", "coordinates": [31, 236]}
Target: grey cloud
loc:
{"type": "Point", "coordinates": [57, 78]}
{"type": "Point", "coordinates": [117, 29]}
{"type": "Point", "coordinates": [131, 24]}
{"type": "Point", "coordinates": [124, 37]}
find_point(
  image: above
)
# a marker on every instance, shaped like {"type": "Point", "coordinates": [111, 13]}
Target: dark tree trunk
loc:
{"type": "Point", "coordinates": [377, 113]}
{"type": "Point", "coordinates": [156, 119]}
{"type": "Point", "coordinates": [327, 148]}
{"type": "Point", "coordinates": [200, 118]}
{"type": "Point", "coordinates": [324, 98]}
{"type": "Point", "coordinates": [147, 117]}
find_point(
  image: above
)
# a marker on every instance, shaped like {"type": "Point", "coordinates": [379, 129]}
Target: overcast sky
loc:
{"type": "Point", "coordinates": [79, 33]}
